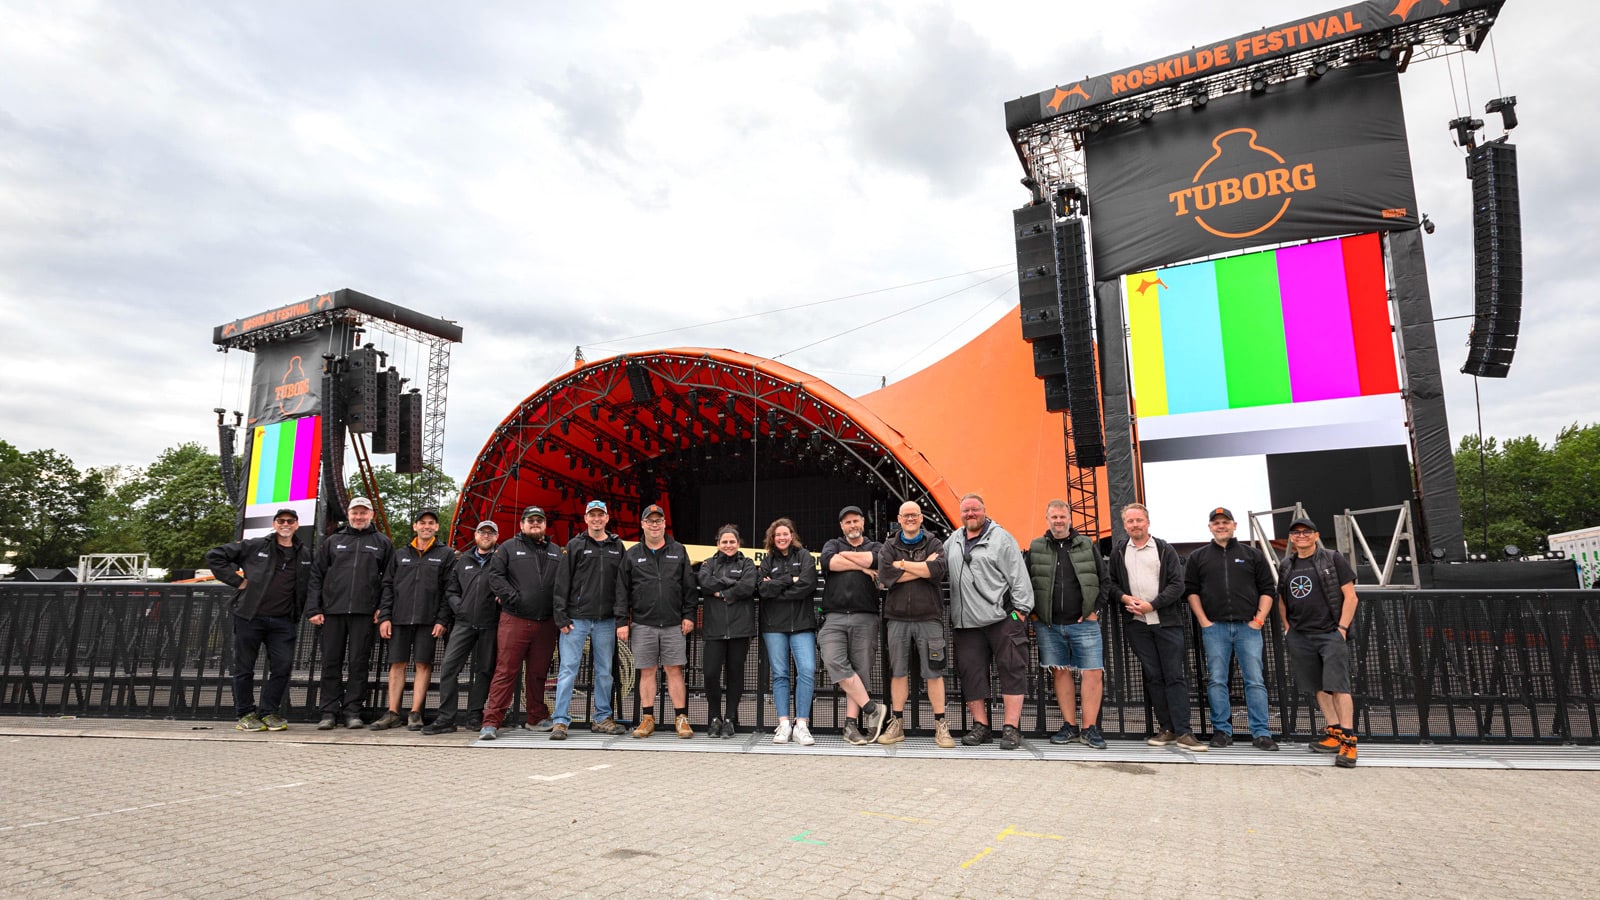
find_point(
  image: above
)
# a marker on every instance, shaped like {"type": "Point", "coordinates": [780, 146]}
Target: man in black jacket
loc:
{"type": "Point", "coordinates": [588, 594]}
{"type": "Point", "coordinates": [1149, 583]}
{"type": "Point", "coordinates": [655, 617]}
{"type": "Point", "coordinates": [266, 606]}
{"type": "Point", "coordinates": [346, 586]}
{"type": "Point", "coordinates": [411, 616]}
{"type": "Point", "coordinates": [910, 568]}
{"type": "Point", "coordinates": [848, 641]}
{"type": "Point", "coordinates": [523, 576]}
{"type": "Point", "coordinates": [471, 615]}
{"type": "Point", "coordinates": [1230, 591]}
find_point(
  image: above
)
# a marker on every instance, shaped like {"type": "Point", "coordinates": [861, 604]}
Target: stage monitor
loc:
{"type": "Point", "coordinates": [1241, 361]}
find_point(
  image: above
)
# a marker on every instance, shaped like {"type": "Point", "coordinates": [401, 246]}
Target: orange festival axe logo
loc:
{"type": "Point", "coordinates": [1149, 283]}
{"type": "Point", "coordinates": [1402, 8]}
{"type": "Point", "coordinates": [324, 301]}
{"type": "Point", "coordinates": [1061, 97]}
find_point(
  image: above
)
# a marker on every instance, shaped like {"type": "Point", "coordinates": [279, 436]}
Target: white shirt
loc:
{"type": "Point", "coordinates": [1144, 576]}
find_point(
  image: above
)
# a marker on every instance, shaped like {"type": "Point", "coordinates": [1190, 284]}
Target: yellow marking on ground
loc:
{"type": "Point", "coordinates": [1012, 831]}
{"type": "Point", "coordinates": [981, 854]}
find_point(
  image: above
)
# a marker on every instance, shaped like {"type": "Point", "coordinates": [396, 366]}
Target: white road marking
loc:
{"type": "Point", "coordinates": [129, 809]}
{"type": "Point", "coordinates": [550, 777]}
{"type": "Point", "coordinates": [599, 767]}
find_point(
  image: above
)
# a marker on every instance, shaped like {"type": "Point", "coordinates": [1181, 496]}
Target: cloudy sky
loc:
{"type": "Point", "coordinates": [612, 175]}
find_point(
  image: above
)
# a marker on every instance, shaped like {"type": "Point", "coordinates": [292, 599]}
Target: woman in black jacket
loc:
{"type": "Point", "coordinates": [728, 603]}
{"type": "Point", "coordinates": [788, 627]}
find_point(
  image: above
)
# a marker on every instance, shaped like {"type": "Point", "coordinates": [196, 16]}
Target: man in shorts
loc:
{"type": "Point", "coordinates": [910, 567]}
{"type": "Point", "coordinates": [848, 640]}
{"type": "Point", "coordinates": [1070, 588]}
{"type": "Point", "coordinates": [1318, 590]}
{"type": "Point", "coordinates": [656, 597]}
{"type": "Point", "coordinates": [412, 614]}
{"type": "Point", "coordinates": [991, 597]}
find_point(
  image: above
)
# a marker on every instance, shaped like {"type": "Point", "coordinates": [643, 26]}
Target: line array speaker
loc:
{"type": "Point", "coordinates": [1034, 228]}
{"type": "Point", "coordinates": [361, 390]}
{"type": "Point", "coordinates": [1077, 340]}
{"type": "Point", "coordinates": [639, 383]}
{"type": "Point", "coordinates": [408, 452]}
{"type": "Point", "coordinates": [386, 437]}
{"type": "Point", "coordinates": [1496, 259]}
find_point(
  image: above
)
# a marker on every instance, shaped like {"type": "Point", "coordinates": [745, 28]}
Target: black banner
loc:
{"type": "Point", "coordinates": [1313, 158]}
{"type": "Point", "coordinates": [287, 381]}
{"type": "Point", "coordinates": [1343, 24]}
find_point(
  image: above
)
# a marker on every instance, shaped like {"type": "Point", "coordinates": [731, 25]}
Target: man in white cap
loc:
{"type": "Point", "coordinates": [346, 587]}
{"type": "Point", "coordinates": [588, 593]}
{"type": "Point", "coordinates": [656, 615]}
{"type": "Point", "coordinates": [473, 617]}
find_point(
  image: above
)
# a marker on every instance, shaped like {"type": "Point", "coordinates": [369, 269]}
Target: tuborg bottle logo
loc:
{"type": "Point", "coordinates": [1243, 188]}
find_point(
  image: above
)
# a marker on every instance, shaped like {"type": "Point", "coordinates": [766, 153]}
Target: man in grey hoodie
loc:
{"type": "Point", "coordinates": [990, 599]}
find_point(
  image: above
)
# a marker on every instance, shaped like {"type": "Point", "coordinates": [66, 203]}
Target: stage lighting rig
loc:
{"type": "Point", "coordinates": [1466, 129]}
{"type": "Point", "coordinates": [1507, 108]}
{"type": "Point", "coordinates": [1427, 224]}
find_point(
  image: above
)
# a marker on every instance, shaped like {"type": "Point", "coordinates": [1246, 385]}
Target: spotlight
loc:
{"type": "Point", "coordinates": [1318, 69]}
{"type": "Point", "coordinates": [1147, 113]}
{"type": "Point", "coordinates": [594, 411]}
{"type": "Point", "coordinates": [1200, 98]}
{"type": "Point", "coordinates": [566, 426]}
{"type": "Point", "coordinates": [1512, 551]}
{"type": "Point", "coordinates": [1452, 33]}
{"type": "Point", "coordinates": [1466, 129]}
{"type": "Point", "coordinates": [1507, 108]}
{"type": "Point", "coordinates": [1427, 224]}
{"type": "Point", "coordinates": [1258, 84]}
{"type": "Point", "coordinates": [1385, 54]}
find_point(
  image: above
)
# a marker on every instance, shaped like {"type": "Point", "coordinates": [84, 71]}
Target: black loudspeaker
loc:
{"type": "Point", "coordinates": [1048, 358]}
{"type": "Point", "coordinates": [1496, 259]}
{"type": "Point", "coordinates": [639, 383]}
{"type": "Point", "coordinates": [1034, 228]}
{"type": "Point", "coordinates": [408, 452]}
{"type": "Point", "coordinates": [360, 380]}
{"type": "Point", "coordinates": [386, 437]}
{"type": "Point", "coordinates": [1056, 397]}
{"type": "Point", "coordinates": [1077, 341]}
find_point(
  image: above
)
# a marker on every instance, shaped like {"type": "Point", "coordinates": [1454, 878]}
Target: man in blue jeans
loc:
{"type": "Point", "coordinates": [589, 596]}
{"type": "Point", "coordinates": [1070, 588]}
{"type": "Point", "coordinates": [1230, 589]}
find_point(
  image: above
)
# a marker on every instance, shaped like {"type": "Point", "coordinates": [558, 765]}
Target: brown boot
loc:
{"type": "Point", "coordinates": [894, 731]}
{"type": "Point", "coordinates": [647, 726]}
{"type": "Point", "coordinates": [685, 730]}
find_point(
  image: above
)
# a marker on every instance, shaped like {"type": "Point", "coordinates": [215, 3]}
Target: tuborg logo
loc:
{"type": "Point", "coordinates": [1245, 205]}
{"type": "Point", "coordinates": [294, 390]}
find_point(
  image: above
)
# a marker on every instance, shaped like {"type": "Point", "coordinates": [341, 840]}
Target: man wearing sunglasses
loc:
{"type": "Point", "coordinates": [1318, 590]}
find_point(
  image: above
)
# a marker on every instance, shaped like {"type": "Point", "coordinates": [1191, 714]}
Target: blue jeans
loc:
{"type": "Point", "coordinates": [1225, 641]}
{"type": "Point", "coordinates": [802, 646]}
{"type": "Point", "coordinates": [602, 637]}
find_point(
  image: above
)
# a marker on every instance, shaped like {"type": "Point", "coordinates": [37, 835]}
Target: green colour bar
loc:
{"type": "Point", "coordinates": [1255, 354]}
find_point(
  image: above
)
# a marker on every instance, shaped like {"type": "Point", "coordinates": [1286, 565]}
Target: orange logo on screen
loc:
{"type": "Point", "coordinates": [1149, 283]}
{"type": "Point", "coordinates": [1061, 97]}
{"type": "Point", "coordinates": [1265, 189]}
{"type": "Point", "coordinates": [293, 392]}
{"type": "Point", "coordinates": [1403, 8]}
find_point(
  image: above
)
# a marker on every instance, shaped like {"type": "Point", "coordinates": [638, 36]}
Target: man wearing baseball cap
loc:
{"type": "Point", "coordinates": [412, 615]}
{"type": "Point", "coordinates": [1318, 588]}
{"type": "Point", "coordinates": [1230, 590]}
{"type": "Point", "coordinates": [655, 617]}
{"type": "Point", "coordinates": [588, 595]}
{"type": "Point", "coordinates": [472, 615]}
{"type": "Point", "coordinates": [522, 576]}
{"type": "Point", "coordinates": [346, 587]}
{"type": "Point", "coordinates": [848, 640]}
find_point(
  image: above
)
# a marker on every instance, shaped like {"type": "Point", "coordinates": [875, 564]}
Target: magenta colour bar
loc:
{"type": "Point", "coordinates": [1316, 322]}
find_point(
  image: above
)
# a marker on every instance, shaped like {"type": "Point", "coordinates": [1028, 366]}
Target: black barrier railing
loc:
{"type": "Point", "coordinates": [1461, 666]}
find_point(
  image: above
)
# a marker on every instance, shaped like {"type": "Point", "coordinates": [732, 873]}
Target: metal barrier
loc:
{"type": "Point", "coordinates": [1459, 666]}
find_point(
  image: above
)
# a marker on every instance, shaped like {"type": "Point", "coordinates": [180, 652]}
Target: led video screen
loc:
{"type": "Point", "coordinates": [285, 462]}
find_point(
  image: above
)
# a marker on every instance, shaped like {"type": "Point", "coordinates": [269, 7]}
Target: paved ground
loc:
{"type": "Point", "coordinates": [359, 814]}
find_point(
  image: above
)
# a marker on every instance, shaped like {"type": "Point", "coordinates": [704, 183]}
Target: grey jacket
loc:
{"type": "Point", "coordinates": [989, 584]}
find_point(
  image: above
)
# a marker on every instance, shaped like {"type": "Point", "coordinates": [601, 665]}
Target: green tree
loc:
{"type": "Point", "coordinates": [182, 511]}
{"type": "Point", "coordinates": [1527, 490]}
{"type": "Point", "coordinates": [113, 526]}
{"type": "Point", "coordinates": [402, 496]}
{"type": "Point", "coordinates": [44, 507]}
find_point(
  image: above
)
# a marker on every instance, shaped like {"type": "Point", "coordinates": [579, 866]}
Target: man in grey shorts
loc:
{"type": "Point", "coordinates": [1317, 587]}
{"type": "Point", "coordinates": [656, 597]}
{"type": "Point", "coordinates": [910, 567]}
{"type": "Point", "coordinates": [848, 640]}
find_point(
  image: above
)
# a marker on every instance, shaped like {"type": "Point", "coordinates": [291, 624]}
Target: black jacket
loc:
{"type": "Point", "coordinates": [588, 586]}
{"type": "Point", "coordinates": [787, 591]}
{"type": "Point", "coordinates": [254, 556]}
{"type": "Point", "coordinates": [468, 599]}
{"type": "Point", "coordinates": [848, 592]}
{"type": "Point", "coordinates": [347, 573]}
{"type": "Point", "coordinates": [415, 585]}
{"type": "Point", "coordinates": [658, 587]}
{"type": "Point", "coordinates": [918, 599]}
{"type": "Point", "coordinates": [733, 614]}
{"type": "Point", "coordinates": [523, 574]}
{"type": "Point", "coordinates": [1170, 602]}
{"type": "Point", "coordinates": [1230, 580]}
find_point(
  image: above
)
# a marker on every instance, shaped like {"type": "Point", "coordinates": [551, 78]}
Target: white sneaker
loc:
{"type": "Point", "coordinates": [781, 736]}
{"type": "Point", "coordinates": [802, 734]}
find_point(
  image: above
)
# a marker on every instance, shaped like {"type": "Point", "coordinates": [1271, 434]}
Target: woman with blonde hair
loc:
{"type": "Point", "coordinates": [788, 627]}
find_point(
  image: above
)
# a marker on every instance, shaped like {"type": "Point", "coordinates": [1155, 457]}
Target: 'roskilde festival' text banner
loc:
{"type": "Point", "coordinates": [1311, 158]}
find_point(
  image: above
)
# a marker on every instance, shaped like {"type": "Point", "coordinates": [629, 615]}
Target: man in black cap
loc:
{"type": "Point", "coordinates": [655, 616]}
{"type": "Point", "coordinates": [1229, 586]}
{"type": "Point", "coordinates": [588, 592]}
{"type": "Point", "coordinates": [522, 576]}
{"type": "Point", "coordinates": [1318, 588]}
{"type": "Point", "coordinates": [849, 637]}
{"type": "Point", "coordinates": [269, 575]}
{"type": "Point", "coordinates": [472, 616]}
{"type": "Point", "coordinates": [412, 615]}
{"type": "Point", "coordinates": [346, 587]}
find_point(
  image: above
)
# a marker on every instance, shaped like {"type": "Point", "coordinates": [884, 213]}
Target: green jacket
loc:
{"type": "Point", "coordinates": [1087, 563]}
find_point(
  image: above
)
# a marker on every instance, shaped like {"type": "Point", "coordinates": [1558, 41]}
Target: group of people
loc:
{"type": "Point", "coordinates": [510, 607]}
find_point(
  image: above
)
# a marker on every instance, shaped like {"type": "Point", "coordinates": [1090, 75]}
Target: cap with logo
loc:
{"type": "Point", "coordinates": [286, 513]}
{"type": "Point", "coordinates": [594, 505]}
{"type": "Point", "coordinates": [425, 512]}
{"type": "Point", "coordinates": [1302, 522]}
{"type": "Point", "coordinates": [651, 510]}
{"type": "Point", "coordinates": [850, 511]}
{"type": "Point", "coordinates": [488, 525]}
{"type": "Point", "coordinates": [1222, 511]}
{"type": "Point", "coordinates": [359, 501]}
{"type": "Point", "coordinates": [533, 512]}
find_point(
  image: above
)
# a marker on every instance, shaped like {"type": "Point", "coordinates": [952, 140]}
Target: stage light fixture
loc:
{"type": "Point", "coordinates": [1512, 551]}
{"type": "Point", "coordinates": [566, 426]}
{"type": "Point", "coordinates": [1147, 113]}
{"type": "Point", "coordinates": [1318, 68]}
{"type": "Point", "coordinates": [1200, 98]}
{"type": "Point", "coordinates": [1427, 224]}
{"type": "Point", "coordinates": [1385, 53]}
{"type": "Point", "coordinates": [1507, 108]}
{"type": "Point", "coordinates": [1452, 33]}
{"type": "Point", "coordinates": [594, 411]}
{"type": "Point", "coordinates": [1466, 129]}
{"type": "Point", "coordinates": [1258, 84]}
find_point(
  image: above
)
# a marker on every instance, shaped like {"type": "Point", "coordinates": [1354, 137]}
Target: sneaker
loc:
{"type": "Point", "coordinates": [979, 733]}
{"type": "Point", "coordinates": [941, 735]}
{"type": "Point", "coordinates": [785, 730]}
{"type": "Point", "coordinates": [1220, 740]}
{"type": "Point", "coordinates": [388, 720]}
{"type": "Point", "coordinates": [475, 720]}
{"type": "Point", "coordinates": [249, 722]}
{"type": "Point", "coordinates": [1347, 752]}
{"type": "Point", "coordinates": [1162, 738]}
{"type": "Point", "coordinates": [894, 731]}
{"type": "Point", "coordinates": [1093, 737]}
{"type": "Point", "coordinates": [1264, 742]}
{"type": "Point", "coordinates": [488, 733]}
{"type": "Point", "coordinates": [353, 721]}
{"type": "Point", "coordinates": [414, 721]}
{"type": "Point", "coordinates": [327, 722]}
{"type": "Point", "coordinates": [872, 716]}
{"type": "Point", "coordinates": [1010, 737]}
{"type": "Point", "coordinates": [647, 726]}
{"type": "Point", "coordinates": [275, 722]}
{"type": "Point", "coordinates": [729, 728]}
{"type": "Point", "coordinates": [558, 732]}
{"type": "Point", "coordinates": [714, 728]}
{"type": "Point", "coordinates": [802, 733]}
{"type": "Point", "coordinates": [543, 725]}
{"type": "Point", "coordinates": [852, 733]}
{"type": "Point", "coordinates": [1066, 734]}
{"type": "Point", "coordinates": [1187, 741]}
{"type": "Point", "coordinates": [1332, 740]}
{"type": "Point", "coordinates": [607, 725]}
{"type": "Point", "coordinates": [438, 726]}
{"type": "Point", "coordinates": [685, 730]}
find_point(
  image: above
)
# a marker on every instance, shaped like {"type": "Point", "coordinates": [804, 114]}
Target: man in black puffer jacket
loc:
{"type": "Point", "coordinates": [346, 587]}
{"type": "Point", "coordinates": [523, 576]}
{"type": "Point", "coordinates": [589, 594]}
{"type": "Point", "coordinates": [472, 615]}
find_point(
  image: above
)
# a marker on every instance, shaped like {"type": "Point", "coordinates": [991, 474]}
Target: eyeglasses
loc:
{"type": "Point", "coordinates": [909, 516]}
{"type": "Point", "coordinates": [285, 521]}
{"type": "Point", "coordinates": [1302, 534]}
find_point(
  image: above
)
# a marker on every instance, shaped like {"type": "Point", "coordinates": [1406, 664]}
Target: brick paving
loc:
{"type": "Point", "coordinates": [211, 813]}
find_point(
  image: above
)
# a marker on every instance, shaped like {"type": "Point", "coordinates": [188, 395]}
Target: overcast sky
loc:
{"type": "Point", "coordinates": [553, 175]}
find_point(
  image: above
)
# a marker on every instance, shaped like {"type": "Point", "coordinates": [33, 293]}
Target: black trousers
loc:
{"type": "Point", "coordinates": [277, 633]}
{"type": "Point", "coordinates": [340, 695]}
{"type": "Point", "coordinates": [1160, 651]}
{"type": "Point", "coordinates": [479, 643]}
{"type": "Point", "coordinates": [725, 658]}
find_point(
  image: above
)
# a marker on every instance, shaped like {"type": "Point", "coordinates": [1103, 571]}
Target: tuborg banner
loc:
{"type": "Point", "coordinates": [287, 379]}
{"type": "Point", "coordinates": [1312, 158]}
